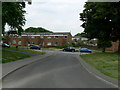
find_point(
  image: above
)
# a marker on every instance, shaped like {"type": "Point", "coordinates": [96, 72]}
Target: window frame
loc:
{"type": "Point", "coordinates": [49, 44]}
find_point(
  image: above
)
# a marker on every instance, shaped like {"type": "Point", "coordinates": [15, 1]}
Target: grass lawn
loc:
{"type": "Point", "coordinates": [24, 49]}
{"type": "Point", "coordinates": [8, 56]}
{"type": "Point", "coordinates": [52, 48]}
{"type": "Point", "coordinates": [107, 63]}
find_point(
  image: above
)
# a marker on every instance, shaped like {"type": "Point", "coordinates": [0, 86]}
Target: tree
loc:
{"type": "Point", "coordinates": [81, 34]}
{"type": "Point", "coordinates": [101, 21]}
{"type": "Point", "coordinates": [36, 30]}
{"type": "Point", "coordinates": [20, 30]}
{"type": "Point", "coordinates": [103, 44]}
{"type": "Point", "coordinates": [13, 15]}
{"type": "Point", "coordinates": [78, 34]}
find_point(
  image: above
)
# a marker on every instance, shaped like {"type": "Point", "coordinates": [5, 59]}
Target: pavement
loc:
{"type": "Point", "coordinates": [54, 70]}
{"type": "Point", "coordinates": [10, 67]}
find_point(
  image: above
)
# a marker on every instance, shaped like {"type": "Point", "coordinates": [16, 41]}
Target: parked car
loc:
{"type": "Point", "coordinates": [85, 50]}
{"type": "Point", "coordinates": [35, 47]}
{"type": "Point", "coordinates": [5, 45]}
{"type": "Point", "coordinates": [71, 49]}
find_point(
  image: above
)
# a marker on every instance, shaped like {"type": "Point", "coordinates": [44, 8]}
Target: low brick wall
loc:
{"type": "Point", "coordinates": [114, 47]}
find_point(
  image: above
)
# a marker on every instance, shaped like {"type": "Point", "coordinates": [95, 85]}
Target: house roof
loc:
{"type": "Point", "coordinates": [77, 37]}
{"type": "Point", "coordinates": [47, 33]}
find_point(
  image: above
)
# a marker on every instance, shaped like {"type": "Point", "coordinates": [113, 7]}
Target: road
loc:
{"type": "Point", "coordinates": [61, 70]}
{"type": "Point", "coordinates": [60, 51]}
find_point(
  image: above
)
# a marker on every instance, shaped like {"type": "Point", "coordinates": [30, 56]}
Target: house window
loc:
{"type": "Point", "coordinates": [41, 36]}
{"type": "Point", "coordinates": [28, 36]}
{"type": "Point", "coordinates": [49, 43]}
{"type": "Point", "coordinates": [68, 42]}
{"type": "Point", "coordinates": [14, 41]}
{"type": "Point", "coordinates": [65, 37]}
{"type": "Point", "coordinates": [48, 37]}
{"type": "Point", "coordinates": [32, 37]}
{"type": "Point", "coordinates": [42, 43]}
{"type": "Point", "coordinates": [19, 43]}
{"type": "Point", "coordinates": [56, 37]}
{"type": "Point", "coordinates": [32, 42]}
{"type": "Point", "coordinates": [56, 44]}
{"type": "Point", "coordinates": [15, 36]}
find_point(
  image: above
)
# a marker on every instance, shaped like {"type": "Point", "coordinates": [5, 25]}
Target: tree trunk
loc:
{"type": "Point", "coordinates": [103, 50]}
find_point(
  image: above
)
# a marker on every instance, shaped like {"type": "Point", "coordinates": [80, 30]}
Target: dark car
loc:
{"type": "Point", "coordinates": [85, 50]}
{"type": "Point", "coordinates": [5, 45]}
{"type": "Point", "coordinates": [71, 49]}
{"type": "Point", "coordinates": [35, 47]}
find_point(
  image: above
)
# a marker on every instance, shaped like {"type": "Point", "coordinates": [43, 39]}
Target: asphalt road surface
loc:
{"type": "Point", "coordinates": [60, 51]}
{"type": "Point", "coordinates": [61, 70]}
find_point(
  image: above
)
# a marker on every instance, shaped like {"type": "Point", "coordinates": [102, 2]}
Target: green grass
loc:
{"type": "Point", "coordinates": [24, 49]}
{"type": "Point", "coordinates": [52, 48]}
{"type": "Point", "coordinates": [31, 51]}
{"type": "Point", "coordinates": [8, 56]}
{"type": "Point", "coordinates": [107, 63]}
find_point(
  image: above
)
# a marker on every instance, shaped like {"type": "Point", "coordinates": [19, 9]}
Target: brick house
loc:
{"type": "Point", "coordinates": [115, 46]}
{"type": "Point", "coordinates": [42, 39]}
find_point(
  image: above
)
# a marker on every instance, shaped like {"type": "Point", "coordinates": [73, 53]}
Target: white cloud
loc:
{"type": "Point", "coordinates": [55, 15]}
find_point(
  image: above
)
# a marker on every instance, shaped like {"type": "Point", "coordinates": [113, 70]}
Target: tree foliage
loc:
{"type": "Point", "coordinates": [13, 15]}
{"type": "Point", "coordinates": [101, 20]}
{"type": "Point", "coordinates": [103, 44]}
{"type": "Point", "coordinates": [81, 34]}
{"type": "Point", "coordinates": [36, 30]}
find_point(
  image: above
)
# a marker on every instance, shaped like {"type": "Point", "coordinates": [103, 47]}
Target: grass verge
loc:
{"type": "Point", "coordinates": [8, 56]}
{"type": "Point", "coordinates": [31, 51]}
{"type": "Point", "coordinates": [25, 50]}
{"type": "Point", "coordinates": [107, 63]}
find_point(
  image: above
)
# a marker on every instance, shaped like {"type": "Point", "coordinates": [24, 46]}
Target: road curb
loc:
{"type": "Point", "coordinates": [98, 74]}
{"type": "Point", "coordinates": [23, 65]}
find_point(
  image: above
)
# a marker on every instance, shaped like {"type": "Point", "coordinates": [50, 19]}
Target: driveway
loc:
{"type": "Point", "coordinates": [61, 70]}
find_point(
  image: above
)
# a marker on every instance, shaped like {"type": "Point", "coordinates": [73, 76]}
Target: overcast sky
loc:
{"type": "Point", "coordinates": [55, 15]}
